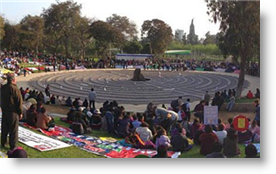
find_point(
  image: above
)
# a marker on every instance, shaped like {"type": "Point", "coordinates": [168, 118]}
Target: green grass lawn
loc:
{"type": "Point", "coordinates": [75, 152]}
{"type": "Point", "coordinates": [246, 100]}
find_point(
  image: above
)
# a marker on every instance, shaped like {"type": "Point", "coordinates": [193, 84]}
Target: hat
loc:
{"type": "Point", "coordinates": [97, 111]}
{"type": "Point", "coordinates": [18, 152]}
{"type": "Point", "coordinates": [81, 108]}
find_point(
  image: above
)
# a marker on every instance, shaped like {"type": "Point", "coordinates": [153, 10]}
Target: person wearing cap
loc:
{"type": "Point", "coordinates": [12, 109]}
{"type": "Point", "coordinates": [96, 120]}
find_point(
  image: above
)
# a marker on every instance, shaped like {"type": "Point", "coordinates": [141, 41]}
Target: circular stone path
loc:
{"type": "Point", "coordinates": [163, 87]}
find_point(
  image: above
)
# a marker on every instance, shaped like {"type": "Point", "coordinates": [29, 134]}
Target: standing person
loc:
{"type": "Point", "coordinates": [186, 108]}
{"type": "Point", "coordinates": [231, 103]}
{"type": "Point", "coordinates": [12, 111]}
{"type": "Point", "coordinates": [24, 72]}
{"type": "Point", "coordinates": [257, 111]}
{"type": "Point", "coordinates": [47, 91]}
{"type": "Point", "coordinates": [92, 97]}
{"type": "Point", "coordinates": [207, 98]}
{"type": "Point", "coordinates": [199, 111]}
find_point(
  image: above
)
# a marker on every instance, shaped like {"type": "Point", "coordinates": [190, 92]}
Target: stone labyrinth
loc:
{"type": "Point", "coordinates": [163, 87]}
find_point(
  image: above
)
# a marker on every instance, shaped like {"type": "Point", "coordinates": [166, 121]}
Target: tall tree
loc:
{"type": "Point", "coordinates": [2, 31]}
{"type": "Point", "coordinates": [159, 35]}
{"type": "Point", "coordinates": [61, 21]}
{"type": "Point", "coordinates": [105, 36]}
{"type": "Point", "coordinates": [209, 39]}
{"type": "Point", "coordinates": [123, 25]}
{"type": "Point", "coordinates": [133, 47]}
{"type": "Point", "coordinates": [11, 38]}
{"type": "Point", "coordinates": [241, 21]}
{"type": "Point", "coordinates": [31, 32]}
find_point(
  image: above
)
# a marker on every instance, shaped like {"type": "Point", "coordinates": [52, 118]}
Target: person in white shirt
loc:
{"type": "Point", "coordinates": [221, 133]}
{"type": "Point", "coordinates": [144, 132]}
{"type": "Point", "coordinates": [92, 97]}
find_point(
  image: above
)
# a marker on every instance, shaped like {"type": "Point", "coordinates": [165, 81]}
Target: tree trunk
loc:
{"type": "Point", "coordinates": [241, 77]}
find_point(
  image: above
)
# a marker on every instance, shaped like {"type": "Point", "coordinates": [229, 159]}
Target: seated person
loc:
{"type": "Point", "coordinates": [58, 101]}
{"type": "Point", "coordinates": [180, 142]}
{"type": "Point", "coordinates": [244, 136]}
{"type": "Point", "coordinates": [230, 144]}
{"type": "Point", "coordinates": [221, 133]}
{"type": "Point", "coordinates": [96, 120]}
{"type": "Point", "coordinates": [123, 126]}
{"type": "Point", "coordinates": [63, 101]}
{"type": "Point", "coordinates": [136, 123]}
{"type": "Point", "coordinates": [43, 121]}
{"type": "Point", "coordinates": [69, 102]}
{"type": "Point", "coordinates": [251, 151]}
{"type": "Point", "coordinates": [161, 152]}
{"type": "Point", "coordinates": [144, 132]}
{"type": "Point", "coordinates": [53, 99]}
{"type": "Point", "coordinates": [207, 139]}
{"type": "Point", "coordinates": [78, 118]}
{"type": "Point", "coordinates": [249, 95]}
{"type": "Point", "coordinates": [31, 115]}
{"type": "Point", "coordinates": [216, 151]}
{"type": "Point", "coordinates": [71, 114]}
{"type": "Point", "coordinates": [255, 129]}
{"type": "Point", "coordinates": [162, 139]}
{"type": "Point", "coordinates": [175, 130]}
{"type": "Point", "coordinates": [85, 103]}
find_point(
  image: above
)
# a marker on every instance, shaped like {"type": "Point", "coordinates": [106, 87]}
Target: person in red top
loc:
{"type": "Point", "coordinates": [207, 139]}
{"type": "Point", "coordinates": [249, 95]}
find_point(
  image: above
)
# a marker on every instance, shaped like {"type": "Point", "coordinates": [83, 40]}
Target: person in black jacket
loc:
{"type": "Point", "coordinates": [11, 104]}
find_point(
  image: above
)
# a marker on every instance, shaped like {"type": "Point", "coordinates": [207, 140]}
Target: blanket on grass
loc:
{"type": "Point", "coordinates": [100, 146]}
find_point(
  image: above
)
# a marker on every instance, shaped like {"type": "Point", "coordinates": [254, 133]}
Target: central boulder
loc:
{"type": "Point", "coordinates": [138, 76]}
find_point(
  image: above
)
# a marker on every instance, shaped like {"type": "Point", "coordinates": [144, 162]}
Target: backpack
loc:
{"type": "Point", "coordinates": [174, 104]}
{"type": "Point", "coordinates": [77, 128]}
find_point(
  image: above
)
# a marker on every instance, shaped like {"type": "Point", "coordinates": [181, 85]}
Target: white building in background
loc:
{"type": "Point", "coordinates": [179, 34]}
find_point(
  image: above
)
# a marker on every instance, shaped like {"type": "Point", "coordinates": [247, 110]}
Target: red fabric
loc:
{"type": "Point", "coordinates": [249, 95]}
{"type": "Point", "coordinates": [206, 141]}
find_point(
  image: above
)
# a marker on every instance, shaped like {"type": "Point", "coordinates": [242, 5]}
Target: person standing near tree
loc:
{"type": "Point", "coordinates": [11, 104]}
{"type": "Point", "coordinates": [92, 97]}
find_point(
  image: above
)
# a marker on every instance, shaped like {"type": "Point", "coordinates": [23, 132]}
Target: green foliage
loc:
{"type": "Point", "coordinates": [133, 47]}
{"type": "Point", "coordinates": [11, 40]}
{"type": "Point", "coordinates": [61, 22]}
{"type": "Point", "coordinates": [158, 33]}
{"type": "Point", "coordinates": [105, 35]}
{"type": "Point", "coordinates": [2, 31]}
{"type": "Point", "coordinates": [31, 32]}
{"type": "Point", "coordinates": [123, 25]}
{"type": "Point", "coordinates": [146, 49]}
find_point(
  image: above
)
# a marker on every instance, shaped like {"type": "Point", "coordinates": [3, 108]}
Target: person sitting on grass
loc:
{"type": "Point", "coordinates": [162, 139]}
{"type": "Point", "coordinates": [249, 95]}
{"type": "Point", "coordinates": [32, 115]}
{"type": "Point", "coordinates": [220, 122]}
{"type": "Point", "coordinates": [180, 142]}
{"type": "Point", "coordinates": [53, 99]}
{"type": "Point", "coordinates": [71, 114]}
{"type": "Point", "coordinates": [44, 121]}
{"type": "Point", "coordinates": [80, 118]}
{"type": "Point", "coordinates": [216, 151]}
{"type": "Point", "coordinates": [162, 151]}
{"type": "Point", "coordinates": [255, 129]}
{"type": "Point", "coordinates": [229, 123]}
{"type": "Point", "coordinates": [69, 102]}
{"type": "Point", "coordinates": [221, 133]}
{"type": "Point", "coordinates": [144, 132]}
{"type": "Point", "coordinates": [124, 125]}
{"type": "Point", "coordinates": [96, 120]}
{"type": "Point", "coordinates": [175, 130]}
{"type": "Point", "coordinates": [85, 103]}
{"type": "Point", "coordinates": [251, 151]}
{"type": "Point", "coordinates": [196, 126]}
{"type": "Point", "coordinates": [230, 144]}
{"type": "Point", "coordinates": [136, 123]}
{"type": "Point", "coordinates": [207, 139]}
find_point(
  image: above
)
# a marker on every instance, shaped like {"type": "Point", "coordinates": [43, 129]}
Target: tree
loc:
{"type": "Point", "coordinates": [61, 21]}
{"type": "Point", "coordinates": [2, 31]}
{"type": "Point", "coordinates": [123, 25]}
{"type": "Point", "coordinates": [159, 35]}
{"type": "Point", "coordinates": [244, 30]}
{"type": "Point", "coordinates": [133, 47]}
{"type": "Point", "coordinates": [31, 32]}
{"type": "Point", "coordinates": [184, 39]}
{"type": "Point", "coordinates": [105, 35]}
{"type": "Point", "coordinates": [11, 39]}
{"type": "Point", "coordinates": [209, 39]}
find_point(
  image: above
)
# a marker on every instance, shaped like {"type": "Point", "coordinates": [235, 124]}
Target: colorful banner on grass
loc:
{"type": "Point", "coordinates": [37, 141]}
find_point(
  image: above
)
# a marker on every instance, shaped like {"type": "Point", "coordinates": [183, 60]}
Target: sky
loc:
{"type": "Point", "coordinates": [176, 13]}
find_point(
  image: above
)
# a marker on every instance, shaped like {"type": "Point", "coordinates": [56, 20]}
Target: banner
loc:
{"type": "Point", "coordinates": [39, 142]}
{"type": "Point", "coordinates": [211, 115]}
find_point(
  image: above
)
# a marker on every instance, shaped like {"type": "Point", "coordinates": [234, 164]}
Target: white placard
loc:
{"type": "Point", "coordinates": [211, 115]}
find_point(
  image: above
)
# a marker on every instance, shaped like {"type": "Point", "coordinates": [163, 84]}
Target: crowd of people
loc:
{"type": "Point", "coordinates": [12, 59]}
{"type": "Point", "coordinates": [157, 128]}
